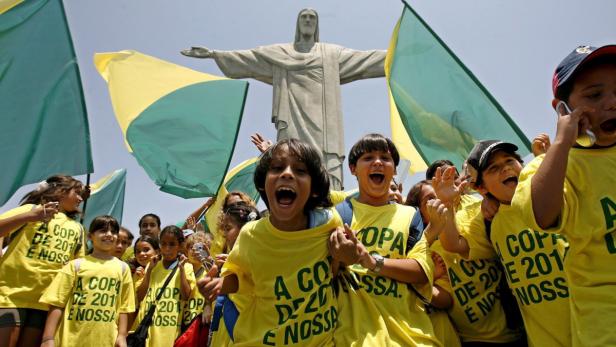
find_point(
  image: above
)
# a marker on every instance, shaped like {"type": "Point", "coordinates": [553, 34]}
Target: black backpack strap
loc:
{"type": "Point", "coordinates": [416, 229]}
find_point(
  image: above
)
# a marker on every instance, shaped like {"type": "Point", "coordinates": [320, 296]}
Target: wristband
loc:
{"type": "Point", "coordinates": [48, 338]}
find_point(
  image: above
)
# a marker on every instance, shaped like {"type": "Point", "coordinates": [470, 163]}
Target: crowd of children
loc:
{"type": "Point", "coordinates": [499, 255]}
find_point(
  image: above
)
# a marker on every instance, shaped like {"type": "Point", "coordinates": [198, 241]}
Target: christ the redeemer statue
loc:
{"type": "Point", "coordinates": [306, 76]}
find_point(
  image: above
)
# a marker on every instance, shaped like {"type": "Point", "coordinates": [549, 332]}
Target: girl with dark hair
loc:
{"type": "Point", "coordinates": [44, 237]}
{"type": "Point", "coordinates": [90, 298]}
{"type": "Point", "coordinates": [167, 317]}
{"type": "Point", "coordinates": [282, 260]}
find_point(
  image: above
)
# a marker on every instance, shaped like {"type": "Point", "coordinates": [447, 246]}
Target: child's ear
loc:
{"type": "Point", "coordinates": [352, 167]}
{"type": "Point", "coordinates": [555, 102]}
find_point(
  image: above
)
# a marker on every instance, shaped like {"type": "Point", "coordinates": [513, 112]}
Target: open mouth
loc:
{"type": "Point", "coordinates": [511, 180]}
{"type": "Point", "coordinates": [285, 196]}
{"type": "Point", "coordinates": [609, 126]}
{"type": "Point", "coordinates": [377, 178]}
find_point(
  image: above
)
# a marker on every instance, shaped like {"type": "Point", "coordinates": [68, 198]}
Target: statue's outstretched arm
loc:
{"type": "Point", "coordinates": [197, 52]}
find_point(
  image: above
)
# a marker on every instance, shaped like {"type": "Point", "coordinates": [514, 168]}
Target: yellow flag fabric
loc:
{"type": "Point", "coordinates": [399, 136]}
{"type": "Point", "coordinates": [133, 89]}
{"type": "Point", "coordinates": [6, 5]}
{"type": "Point", "coordinates": [211, 216]}
{"type": "Point", "coordinates": [181, 125]}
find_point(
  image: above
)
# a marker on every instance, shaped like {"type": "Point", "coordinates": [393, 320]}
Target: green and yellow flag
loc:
{"type": "Point", "coordinates": [106, 197]}
{"type": "Point", "coordinates": [44, 124]}
{"type": "Point", "coordinates": [240, 178]}
{"type": "Point", "coordinates": [181, 125]}
{"type": "Point", "coordinates": [439, 109]}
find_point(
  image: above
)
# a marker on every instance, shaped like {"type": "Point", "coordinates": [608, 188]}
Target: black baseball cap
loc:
{"type": "Point", "coordinates": [580, 56]}
{"type": "Point", "coordinates": [479, 157]}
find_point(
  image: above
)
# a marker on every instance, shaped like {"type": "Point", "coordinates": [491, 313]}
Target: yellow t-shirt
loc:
{"type": "Point", "coordinates": [588, 221]}
{"type": "Point", "coordinates": [287, 279]}
{"type": "Point", "coordinates": [167, 319]}
{"type": "Point", "coordinates": [477, 312]}
{"type": "Point", "coordinates": [384, 230]}
{"type": "Point", "coordinates": [129, 253]}
{"type": "Point", "coordinates": [194, 305]}
{"type": "Point", "coordinates": [93, 297]}
{"type": "Point", "coordinates": [36, 254]}
{"type": "Point", "coordinates": [444, 330]}
{"type": "Point", "coordinates": [534, 268]}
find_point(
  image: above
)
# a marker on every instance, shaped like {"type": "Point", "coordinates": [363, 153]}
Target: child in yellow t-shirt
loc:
{"type": "Point", "coordinates": [90, 297]}
{"type": "Point", "coordinates": [125, 239]}
{"type": "Point", "coordinates": [572, 190]}
{"type": "Point", "coordinates": [385, 267]}
{"type": "Point", "coordinates": [532, 260]}
{"type": "Point", "coordinates": [167, 318]}
{"type": "Point", "coordinates": [45, 236]}
{"type": "Point", "coordinates": [281, 262]}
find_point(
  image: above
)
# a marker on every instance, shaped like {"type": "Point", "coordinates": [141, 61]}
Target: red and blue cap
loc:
{"type": "Point", "coordinates": [576, 59]}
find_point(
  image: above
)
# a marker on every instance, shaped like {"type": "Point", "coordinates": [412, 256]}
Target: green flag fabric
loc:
{"type": "Point", "coordinates": [106, 197]}
{"type": "Point", "coordinates": [444, 108]}
{"type": "Point", "coordinates": [44, 125]}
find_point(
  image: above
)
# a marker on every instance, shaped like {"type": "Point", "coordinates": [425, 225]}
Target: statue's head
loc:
{"type": "Point", "coordinates": [307, 23]}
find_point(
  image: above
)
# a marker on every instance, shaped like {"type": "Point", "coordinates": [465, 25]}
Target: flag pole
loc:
{"type": "Point", "coordinates": [85, 201]}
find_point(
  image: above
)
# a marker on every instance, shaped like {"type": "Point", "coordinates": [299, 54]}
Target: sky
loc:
{"type": "Point", "coordinates": [512, 47]}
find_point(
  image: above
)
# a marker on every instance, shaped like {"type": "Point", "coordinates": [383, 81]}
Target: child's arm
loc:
{"type": "Point", "coordinates": [442, 213]}
{"type": "Point", "coordinates": [547, 184]}
{"type": "Point", "coordinates": [210, 287]}
{"type": "Point", "coordinates": [441, 298]}
{"type": "Point", "coordinates": [122, 330]}
{"type": "Point", "coordinates": [142, 290]}
{"type": "Point", "coordinates": [185, 288]}
{"type": "Point", "coordinates": [193, 216]}
{"type": "Point", "coordinates": [402, 270]}
{"type": "Point", "coordinates": [38, 213]}
{"type": "Point", "coordinates": [51, 324]}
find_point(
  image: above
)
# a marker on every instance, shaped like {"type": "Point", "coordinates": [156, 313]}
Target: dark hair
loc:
{"type": "Point", "coordinates": [149, 239]}
{"type": "Point", "coordinates": [564, 91]}
{"type": "Point", "coordinates": [319, 196]}
{"type": "Point", "coordinates": [373, 142]}
{"type": "Point", "coordinates": [436, 164]}
{"type": "Point", "coordinates": [414, 196]}
{"type": "Point", "coordinates": [480, 174]}
{"type": "Point", "coordinates": [240, 213]}
{"type": "Point", "coordinates": [128, 233]}
{"type": "Point", "coordinates": [104, 223]}
{"type": "Point", "coordinates": [150, 215]}
{"type": "Point", "coordinates": [173, 230]}
{"type": "Point", "coordinates": [53, 189]}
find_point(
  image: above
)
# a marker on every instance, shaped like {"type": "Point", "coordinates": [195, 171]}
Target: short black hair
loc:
{"type": "Point", "coordinates": [130, 235]}
{"type": "Point", "coordinates": [436, 164]}
{"type": "Point", "coordinates": [307, 154]}
{"type": "Point", "coordinates": [564, 91]}
{"type": "Point", "coordinates": [104, 223]}
{"type": "Point", "coordinates": [150, 215]}
{"type": "Point", "coordinates": [148, 239]}
{"type": "Point", "coordinates": [173, 230]}
{"type": "Point", "coordinates": [373, 142]}
{"type": "Point", "coordinates": [414, 196]}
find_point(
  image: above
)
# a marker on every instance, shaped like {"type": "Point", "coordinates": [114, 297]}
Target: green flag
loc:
{"type": "Point", "coordinates": [444, 108]}
{"type": "Point", "coordinates": [106, 197]}
{"type": "Point", "coordinates": [44, 125]}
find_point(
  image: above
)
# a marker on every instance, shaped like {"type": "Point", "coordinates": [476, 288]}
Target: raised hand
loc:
{"type": "Point", "coordinates": [260, 142]}
{"type": "Point", "coordinates": [440, 268]}
{"type": "Point", "coordinates": [197, 52]}
{"type": "Point", "coordinates": [446, 188]}
{"type": "Point", "coordinates": [438, 215]}
{"type": "Point", "coordinates": [540, 145]}
{"type": "Point", "coordinates": [571, 125]}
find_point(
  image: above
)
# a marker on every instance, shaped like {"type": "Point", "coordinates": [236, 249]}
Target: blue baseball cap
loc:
{"type": "Point", "coordinates": [580, 56]}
